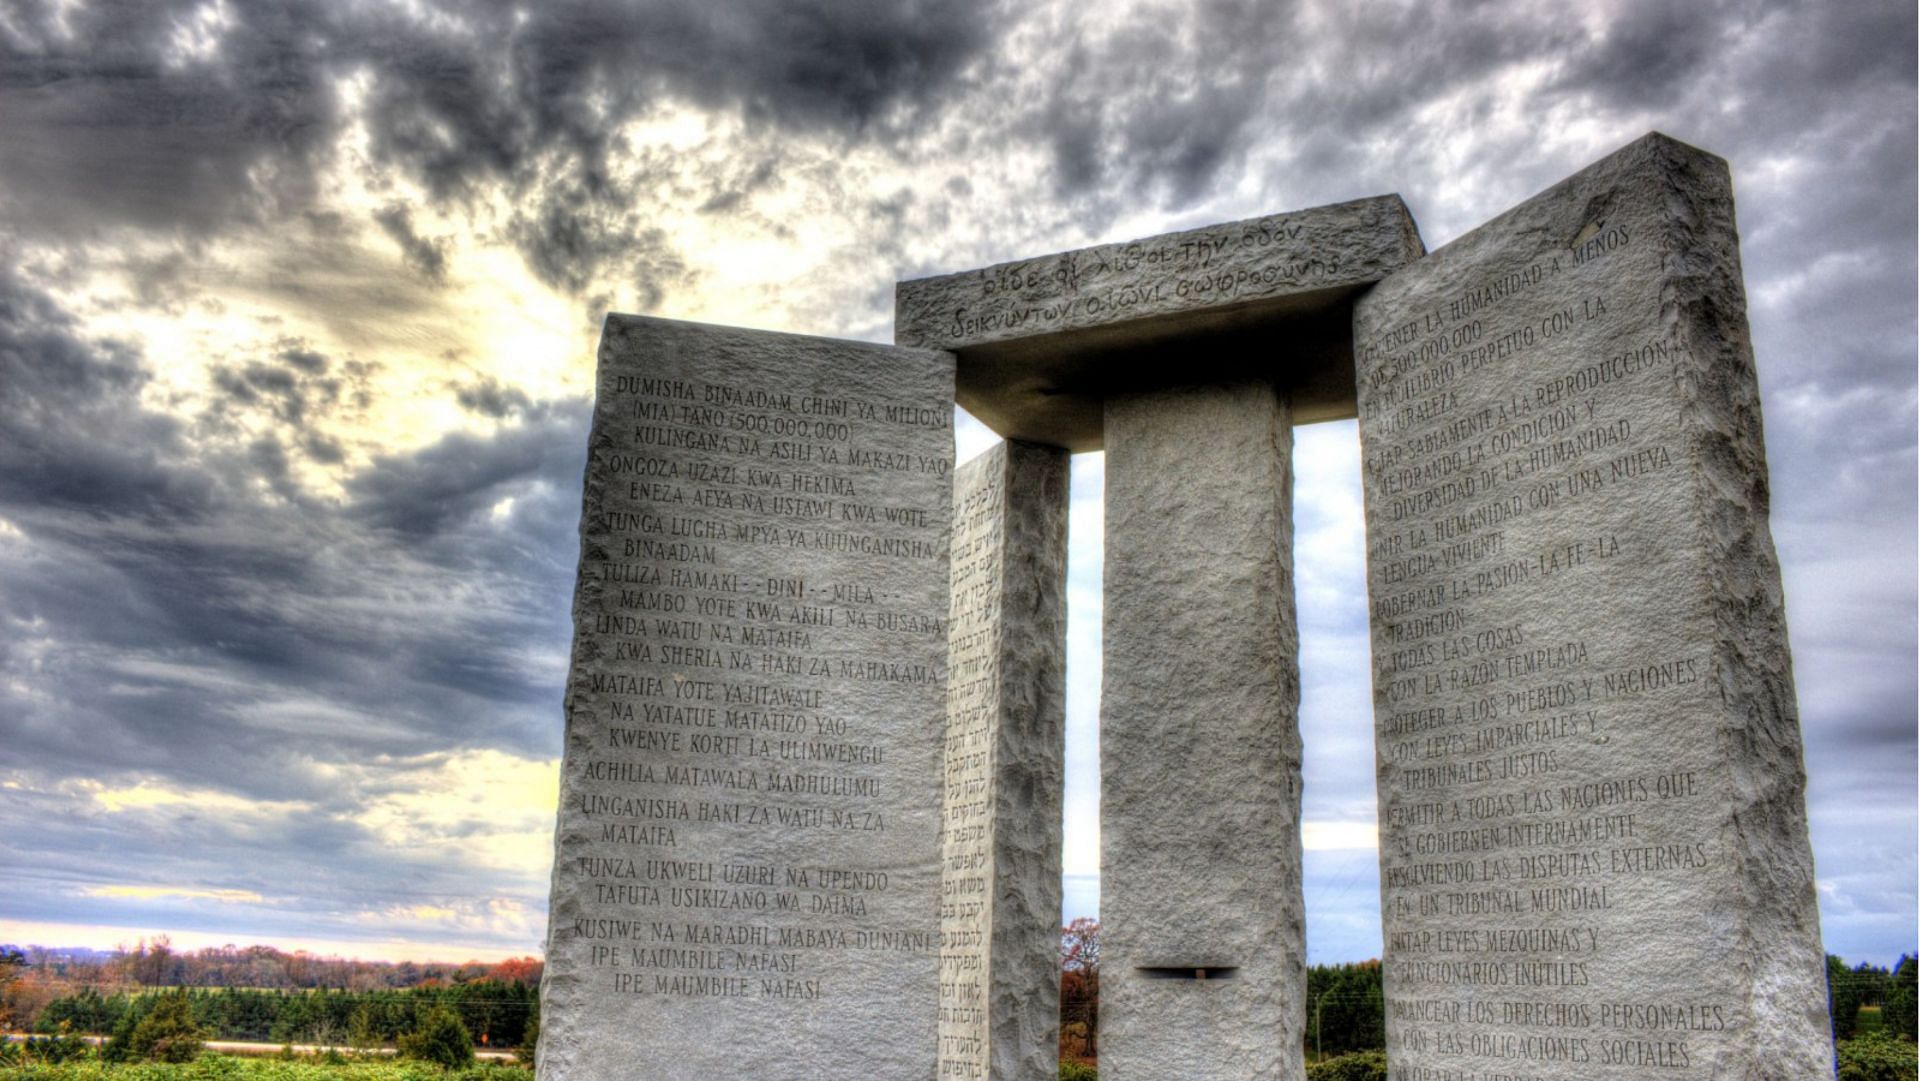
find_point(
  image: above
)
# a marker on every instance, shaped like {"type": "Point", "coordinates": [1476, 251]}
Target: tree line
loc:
{"type": "Point", "coordinates": [495, 1014]}
{"type": "Point", "coordinates": [155, 963]}
{"type": "Point", "coordinates": [258, 993]}
{"type": "Point", "coordinates": [1893, 992]}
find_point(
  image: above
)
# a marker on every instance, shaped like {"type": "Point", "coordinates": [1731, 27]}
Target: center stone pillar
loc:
{"type": "Point", "coordinates": [1201, 909]}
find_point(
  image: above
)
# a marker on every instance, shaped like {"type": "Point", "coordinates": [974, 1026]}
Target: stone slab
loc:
{"type": "Point", "coordinates": [1005, 738]}
{"type": "Point", "coordinates": [1042, 341]}
{"type": "Point", "coordinates": [746, 875]}
{"type": "Point", "coordinates": [1199, 741]}
{"type": "Point", "coordinates": [1593, 839]}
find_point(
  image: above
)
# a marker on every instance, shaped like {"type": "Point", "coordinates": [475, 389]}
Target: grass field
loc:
{"type": "Point", "coordinates": [229, 1068]}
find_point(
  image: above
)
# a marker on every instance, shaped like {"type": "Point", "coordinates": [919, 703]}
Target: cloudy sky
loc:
{"type": "Point", "coordinates": [297, 309]}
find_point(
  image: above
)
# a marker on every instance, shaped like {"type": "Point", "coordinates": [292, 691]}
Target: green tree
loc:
{"type": "Point", "coordinates": [1900, 1011]}
{"type": "Point", "coordinates": [119, 1045]}
{"type": "Point", "coordinates": [1843, 998]}
{"type": "Point", "coordinates": [441, 1038]}
{"type": "Point", "coordinates": [529, 1042]}
{"type": "Point", "coordinates": [1872, 981]}
{"type": "Point", "coordinates": [168, 1032]}
{"type": "Point", "coordinates": [1351, 1015]}
{"type": "Point", "coordinates": [360, 1031]}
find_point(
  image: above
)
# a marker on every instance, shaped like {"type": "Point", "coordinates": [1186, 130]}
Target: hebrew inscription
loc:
{"type": "Point", "coordinates": [967, 821]}
{"type": "Point", "coordinates": [1586, 733]}
{"type": "Point", "coordinates": [1006, 714]}
{"type": "Point", "coordinates": [745, 876]}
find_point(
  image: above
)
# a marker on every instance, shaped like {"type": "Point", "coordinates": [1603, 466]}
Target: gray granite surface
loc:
{"type": "Point", "coordinates": [1006, 715]}
{"type": "Point", "coordinates": [1042, 342]}
{"type": "Point", "coordinates": [1199, 741]}
{"type": "Point", "coordinates": [1594, 849]}
{"type": "Point", "coordinates": [746, 871]}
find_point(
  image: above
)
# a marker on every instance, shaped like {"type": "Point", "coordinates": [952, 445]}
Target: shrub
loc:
{"type": "Point", "coordinates": [1876, 1056]}
{"type": "Point", "coordinates": [530, 1042]}
{"type": "Point", "coordinates": [1358, 1066]}
{"type": "Point", "coordinates": [440, 1039]}
{"type": "Point", "coordinates": [62, 1046]}
{"type": "Point", "coordinates": [1078, 1071]}
{"type": "Point", "coordinates": [119, 1045]}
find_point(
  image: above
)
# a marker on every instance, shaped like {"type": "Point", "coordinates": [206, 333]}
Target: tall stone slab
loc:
{"type": "Point", "coordinates": [1202, 973]}
{"type": "Point", "coordinates": [1593, 841]}
{"type": "Point", "coordinates": [1006, 719]}
{"type": "Point", "coordinates": [746, 871]}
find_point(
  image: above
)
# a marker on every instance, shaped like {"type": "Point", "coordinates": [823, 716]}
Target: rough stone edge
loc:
{"type": "Point", "coordinates": [1703, 304]}
{"type": "Point", "coordinates": [1028, 767]}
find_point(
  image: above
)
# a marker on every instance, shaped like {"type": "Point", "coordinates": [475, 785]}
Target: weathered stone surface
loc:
{"type": "Point", "coordinates": [1006, 717]}
{"type": "Point", "coordinates": [1043, 341]}
{"type": "Point", "coordinates": [745, 878]}
{"type": "Point", "coordinates": [1593, 842]}
{"type": "Point", "coordinates": [1199, 742]}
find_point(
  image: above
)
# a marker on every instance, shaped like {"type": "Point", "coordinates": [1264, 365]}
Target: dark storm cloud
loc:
{"type": "Point", "coordinates": [195, 609]}
{"type": "Point", "coordinates": [110, 122]}
{"type": "Point", "coordinates": [59, 396]}
{"type": "Point", "coordinates": [491, 398]}
{"type": "Point", "coordinates": [428, 256]}
{"type": "Point", "coordinates": [291, 387]}
{"type": "Point", "coordinates": [1159, 109]}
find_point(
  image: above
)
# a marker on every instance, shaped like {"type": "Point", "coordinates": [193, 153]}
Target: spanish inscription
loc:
{"type": "Point", "coordinates": [747, 835]}
{"type": "Point", "coordinates": [1556, 874]}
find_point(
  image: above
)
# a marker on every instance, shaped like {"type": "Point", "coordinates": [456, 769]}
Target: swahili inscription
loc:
{"type": "Point", "coordinates": [748, 821]}
{"type": "Point", "coordinates": [1558, 877]}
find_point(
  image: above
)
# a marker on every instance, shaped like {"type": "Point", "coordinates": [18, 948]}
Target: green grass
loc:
{"type": "Point", "coordinates": [229, 1068]}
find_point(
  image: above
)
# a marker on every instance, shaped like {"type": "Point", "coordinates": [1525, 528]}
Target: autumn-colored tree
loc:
{"type": "Point", "coordinates": [518, 969]}
{"type": "Point", "coordinates": [1080, 990]}
{"type": "Point", "coordinates": [13, 966]}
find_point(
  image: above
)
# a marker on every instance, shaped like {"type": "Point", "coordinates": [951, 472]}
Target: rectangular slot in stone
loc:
{"type": "Point", "coordinates": [745, 877]}
{"type": "Point", "coordinates": [1186, 972]}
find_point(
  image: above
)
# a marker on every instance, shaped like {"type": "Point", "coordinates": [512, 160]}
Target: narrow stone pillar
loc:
{"type": "Point", "coordinates": [1006, 719]}
{"type": "Point", "coordinates": [1202, 973]}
